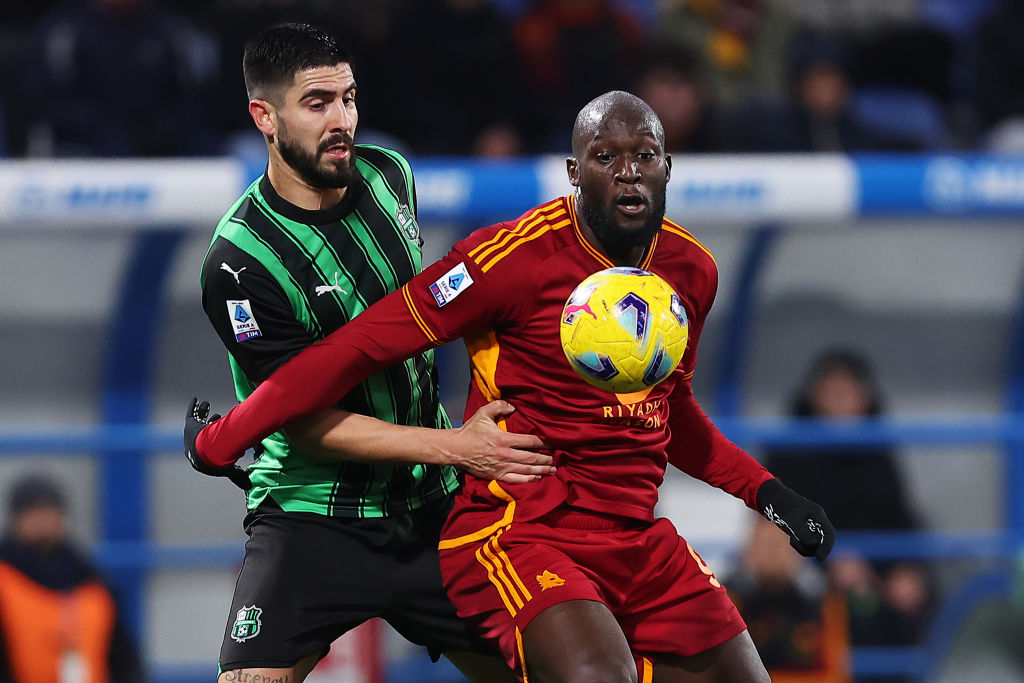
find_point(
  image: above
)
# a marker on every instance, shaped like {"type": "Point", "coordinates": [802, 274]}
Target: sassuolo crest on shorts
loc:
{"type": "Point", "coordinates": [247, 623]}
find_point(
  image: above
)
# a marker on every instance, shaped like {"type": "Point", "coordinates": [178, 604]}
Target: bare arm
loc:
{"type": "Point", "coordinates": [479, 447]}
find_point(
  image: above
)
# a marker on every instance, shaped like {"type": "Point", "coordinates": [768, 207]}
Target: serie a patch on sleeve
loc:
{"type": "Point", "coordinates": [451, 284]}
{"type": "Point", "coordinates": [242, 320]}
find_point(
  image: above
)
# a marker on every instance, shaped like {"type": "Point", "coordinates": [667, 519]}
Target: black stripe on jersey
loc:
{"type": "Point", "coordinates": [398, 402]}
{"type": "Point", "coordinates": [283, 242]}
{"type": "Point", "coordinates": [382, 157]}
{"type": "Point", "coordinates": [318, 330]}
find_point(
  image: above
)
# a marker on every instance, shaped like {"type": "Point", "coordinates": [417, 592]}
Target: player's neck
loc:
{"type": "Point", "coordinates": [630, 256]}
{"type": "Point", "coordinates": [294, 190]}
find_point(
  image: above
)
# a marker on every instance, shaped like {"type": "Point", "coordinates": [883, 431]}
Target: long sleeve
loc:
{"type": "Point", "coordinates": [698, 448]}
{"type": "Point", "coordinates": [317, 378]}
{"type": "Point", "coordinates": [399, 326]}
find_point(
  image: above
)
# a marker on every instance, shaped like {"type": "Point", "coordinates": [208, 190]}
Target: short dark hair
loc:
{"type": "Point", "coordinates": [35, 491]}
{"type": "Point", "coordinates": [274, 55]}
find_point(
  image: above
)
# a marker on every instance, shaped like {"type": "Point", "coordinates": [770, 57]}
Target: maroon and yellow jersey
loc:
{"type": "Point", "coordinates": [503, 289]}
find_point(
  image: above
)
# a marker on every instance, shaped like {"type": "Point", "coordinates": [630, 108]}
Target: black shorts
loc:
{"type": "Point", "coordinates": [306, 579]}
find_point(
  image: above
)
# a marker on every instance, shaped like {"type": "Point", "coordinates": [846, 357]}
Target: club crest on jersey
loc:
{"type": "Point", "coordinates": [242, 321]}
{"type": "Point", "coordinates": [451, 284]}
{"type": "Point", "coordinates": [247, 623]}
{"type": "Point", "coordinates": [407, 222]}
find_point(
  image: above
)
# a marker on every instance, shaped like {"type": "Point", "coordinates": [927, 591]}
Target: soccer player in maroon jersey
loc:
{"type": "Point", "coordinates": [571, 575]}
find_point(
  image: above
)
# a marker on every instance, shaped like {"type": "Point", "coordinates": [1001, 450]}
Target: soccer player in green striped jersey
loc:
{"type": "Point", "coordinates": [345, 509]}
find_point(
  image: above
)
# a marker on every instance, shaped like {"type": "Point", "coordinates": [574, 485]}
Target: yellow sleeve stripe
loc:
{"type": "Point", "coordinates": [533, 215]}
{"type": "Point", "coordinates": [648, 666]}
{"type": "Point", "coordinates": [677, 230]}
{"type": "Point", "coordinates": [520, 230]}
{"type": "Point", "coordinates": [523, 240]}
{"type": "Point", "coordinates": [424, 328]}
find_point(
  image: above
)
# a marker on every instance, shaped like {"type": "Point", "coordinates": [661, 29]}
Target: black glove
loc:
{"type": "Point", "coordinates": [809, 530]}
{"type": "Point", "coordinates": [196, 417]}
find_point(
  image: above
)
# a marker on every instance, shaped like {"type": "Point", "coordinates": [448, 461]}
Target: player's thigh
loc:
{"type": "Point", "coordinates": [734, 661]}
{"type": "Point", "coordinates": [420, 609]}
{"type": "Point", "coordinates": [291, 674]}
{"type": "Point", "coordinates": [287, 606]}
{"type": "Point", "coordinates": [578, 641]}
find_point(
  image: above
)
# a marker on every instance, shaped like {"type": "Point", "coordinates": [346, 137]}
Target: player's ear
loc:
{"type": "Point", "coordinates": [668, 167]}
{"type": "Point", "coordinates": [572, 167]}
{"type": "Point", "coordinates": [264, 116]}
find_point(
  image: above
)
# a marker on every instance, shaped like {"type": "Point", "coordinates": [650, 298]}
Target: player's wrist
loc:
{"type": "Point", "coordinates": [769, 492]}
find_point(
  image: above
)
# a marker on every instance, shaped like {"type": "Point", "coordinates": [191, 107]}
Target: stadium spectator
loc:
{"type": "Point", "coordinates": [58, 620]}
{"type": "Point", "coordinates": [798, 624]}
{"type": "Point", "coordinates": [743, 43]}
{"type": "Point", "coordinates": [466, 89]}
{"type": "Point", "coordinates": [1000, 66]}
{"type": "Point", "coordinates": [889, 603]}
{"type": "Point", "coordinates": [571, 575]}
{"type": "Point", "coordinates": [819, 116]}
{"type": "Point", "coordinates": [118, 78]}
{"type": "Point", "coordinates": [568, 50]}
{"type": "Point", "coordinates": [674, 82]}
{"type": "Point", "coordinates": [364, 486]}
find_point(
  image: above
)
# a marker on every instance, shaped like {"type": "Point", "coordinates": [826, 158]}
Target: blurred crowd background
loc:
{"type": "Point", "coordinates": [871, 316]}
{"type": "Point", "coordinates": [505, 77]}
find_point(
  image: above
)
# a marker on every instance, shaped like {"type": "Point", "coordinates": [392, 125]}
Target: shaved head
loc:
{"type": "Point", "coordinates": [616, 105]}
{"type": "Point", "coordinates": [620, 170]}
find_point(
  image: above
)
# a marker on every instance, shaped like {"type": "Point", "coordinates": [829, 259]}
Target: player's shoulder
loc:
{"type": "Point", "coordinates": [376, 162]}
{"type": "Point", "coordinates": [680, 242]}
{"type": "Point", "coordinates": [533, 236]}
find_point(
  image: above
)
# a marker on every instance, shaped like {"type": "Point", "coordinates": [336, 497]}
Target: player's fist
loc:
{"type": "Point", "coordinates": [196, 418]}
{"type": "Point", "coordinates": [803, 520]}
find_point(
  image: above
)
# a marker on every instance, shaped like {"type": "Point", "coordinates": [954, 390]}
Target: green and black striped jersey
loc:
{"type": "Point", "coordinates": [278, 278]}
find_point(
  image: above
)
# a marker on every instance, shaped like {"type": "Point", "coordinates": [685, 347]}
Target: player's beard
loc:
{"type": "Point", "coordinates": [309, 165]}
{"type": "Point", "coordinates": [604, 223]}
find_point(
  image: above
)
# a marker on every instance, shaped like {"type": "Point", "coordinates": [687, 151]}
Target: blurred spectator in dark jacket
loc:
{"type": "Point", "coordinates": [570, 51]}
{"type": "Point", "coordinates": [458, 90]}
{"type": "Point", "coordinates": [1000, 65]}
{"type": "Point", "coordinates": [819, 116]}
{"type": "Point", "coordinates": [674, 82]}
{"type": "Point", "coordinates": [18, 20]}
{"type": "Point", "coordinates": [58, 621]}
{"type": "Point", "coordinates": [797, 622]}
{"type": "Point", "coordinates": [889, 602]}
{"type": "Point", "coordinates": [118, 78]}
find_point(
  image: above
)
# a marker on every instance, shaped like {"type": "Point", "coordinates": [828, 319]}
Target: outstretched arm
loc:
{"type": "Point", "coordinates": [698, 448]}
{"type": "Point", "coordinates": [479, 447]}
{"type": "Point", "coordinates": [315, 379]}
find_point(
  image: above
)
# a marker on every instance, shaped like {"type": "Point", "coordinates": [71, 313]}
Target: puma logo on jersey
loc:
{"type": "Point", "coordinates": [549, 580]}
{"type": "Point", "coordinates": [234, 273]}
{"type": "Point", "coordinates": [323, 289]}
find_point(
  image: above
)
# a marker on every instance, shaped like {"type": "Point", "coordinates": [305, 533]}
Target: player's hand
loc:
{"type": "Point", "coordinates": [196, 417]}
{"type": "Point", "coordinates": [804, 521]}
{"type": "Point", "coordinates": [483, 449]}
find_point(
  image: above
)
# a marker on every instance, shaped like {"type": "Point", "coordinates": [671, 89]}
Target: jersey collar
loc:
{"type": "Point", "coordinates": [594, 251]}
{"type": "Point", "coordinates": [313, 216]}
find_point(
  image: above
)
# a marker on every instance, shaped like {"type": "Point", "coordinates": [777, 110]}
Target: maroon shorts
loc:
{"type": "Point", "coordinates": [663, 595]}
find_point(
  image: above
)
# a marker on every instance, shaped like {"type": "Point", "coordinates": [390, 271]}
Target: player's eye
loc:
{"type": "Point", "coordinates": [604, 157]}
{"type": "Point", "coordinates": [646, 156]}
{"type": "Point", "coordinates": [317, 105]}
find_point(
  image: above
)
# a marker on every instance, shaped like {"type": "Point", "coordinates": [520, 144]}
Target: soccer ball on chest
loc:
{"type": "Point", "coordinates": [623, 330]}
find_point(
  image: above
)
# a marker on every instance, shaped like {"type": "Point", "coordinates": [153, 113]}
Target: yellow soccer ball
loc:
{"type": "Point", "coordinates": [624, 330]}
